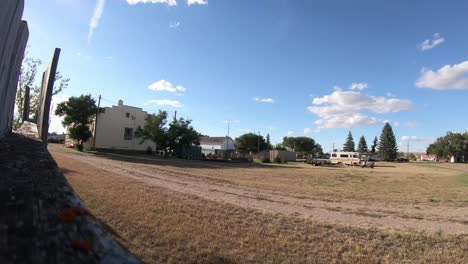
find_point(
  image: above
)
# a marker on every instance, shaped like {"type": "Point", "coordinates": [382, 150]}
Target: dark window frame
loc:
{"type": "Point", "coordinates": [128, 133]}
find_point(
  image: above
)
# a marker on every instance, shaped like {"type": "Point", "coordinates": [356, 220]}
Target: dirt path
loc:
{"type": "Point", "coordinates": [449, 220]}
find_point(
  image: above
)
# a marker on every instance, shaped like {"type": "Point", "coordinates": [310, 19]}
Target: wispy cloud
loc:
{"type": "Point", "coordinates": [290, 133]}
{"type": "Point", "coordinates": [197, 2]}
{"type": "Point", "coordinates": [448, 77]}
{"type": "Point", "coordinates": [100, 4]}
{"type": "Point", "coordinates": [164, 85]}
{"type": "Point", "coordinates": [174, 24]}
{"type": "Point", "coordinates": [431, 43]}
{"type": "Point", "coordinates": [358, 86]}
{"type": "Point", "coordinates": [168, 2]}
{"type": "Point", "coordinates": [166, 102]}
{"type": "Point", "coordinates": [94, 22]}
{"type": "Point", "coordinates": [264, 100]}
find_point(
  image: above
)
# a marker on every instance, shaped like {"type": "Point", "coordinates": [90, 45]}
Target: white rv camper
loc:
{"type": "Point", "coordinates": [347, 158]}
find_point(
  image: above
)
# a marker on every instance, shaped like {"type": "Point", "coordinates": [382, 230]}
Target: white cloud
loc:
{"type": "Point", "coordinates": [164, 85]}
{"type": "Point", "coordinates": [347, 121]}
{"type": "Point", "coordinates": [174, 24]}
{"type": "Point", "coordinates": [389, 94]}
{"type": "Point", "coordinates": [396, 123]}
{"type": "Point", "coordinates": [97, 14]}
{"type": "Point", "coordinates": [337, 88]}
{"type": "Point", "coordinates": [310, 131]}
{"type": "Point", "coordinates": [290, 133]}
{"type": "Point", "coordinates": [344, 109]}
{"type": "Point", "coordinates": [358, 86]}
{"type": "Point", "coordinates": [431, 43]}
{"type": "Point", "coordinates": [197, 2]}
{"type": "Point", "coordinates": [264, 100]}
{"type": "Point", "coordinates": [165, 102]}
{"type": "Point", "coordinates": [168, 2]}
{"type": "Point", "coordinates": [446, 78]}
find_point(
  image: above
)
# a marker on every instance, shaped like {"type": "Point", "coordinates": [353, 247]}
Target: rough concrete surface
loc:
{"type": "Point", "coordinates": [42, 220]}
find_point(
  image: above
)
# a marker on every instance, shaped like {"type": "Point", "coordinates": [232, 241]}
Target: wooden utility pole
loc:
{"type": "Point", "coordinates": [95, 122]}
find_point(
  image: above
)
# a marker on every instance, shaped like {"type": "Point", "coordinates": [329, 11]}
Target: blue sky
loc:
{"type": "Point", "coordinates": [314, 68]}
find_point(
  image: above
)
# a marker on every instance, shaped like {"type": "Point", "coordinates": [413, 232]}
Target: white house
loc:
{"type": "Point", "coordinates": [115, 129]}
{"type": "Point", "coordinates": [214, 144]}
{"type": "Point", "coordinates": [425, 157]}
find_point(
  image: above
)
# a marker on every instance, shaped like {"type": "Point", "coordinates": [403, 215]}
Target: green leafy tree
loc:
{"type": "Point", "coordinates": [374, 145]}
{"type": "Point", "coordinates": [362, 145]}
{"type": "Point", "coordinates": [349, 144]}
{"type": "Point", "coordinates": [388, 148]}
{"type": "Point", "coordinates": [452, 144]}
{"type": "Point", "coordinates": [155, 130]}
{"type": "Point", "coordinates": [303, 145]}
{"type": "Point", "coordinates": [28, 78]}
{"type": "Point", "coordinates": [279, 147]}
{"type": "Point", "coordinates": [181, 134]}
{"type": "Point", "coordinates": [299, 144]}
{"type": "Point", "coordinates": [78, 113]}
{"type": "Point", "coordinates": [268, 142]}
{"type": "Point", "coordinates": [318, 151]}
{"type": "Point", "coordinates": [250, 142]}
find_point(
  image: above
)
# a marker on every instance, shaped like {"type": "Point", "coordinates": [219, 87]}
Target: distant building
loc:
{"type": "Point", "coordinates": [425, 157]}
{"type": "Point", "coordinates": [116, 128]}
{"type": "Point", "coordinates": [212, 145]}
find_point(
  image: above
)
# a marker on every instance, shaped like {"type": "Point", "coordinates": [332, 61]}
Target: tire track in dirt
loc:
{"type": "Point", "coordinates": [449, 220]}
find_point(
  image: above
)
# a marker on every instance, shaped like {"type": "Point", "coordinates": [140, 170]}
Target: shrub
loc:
{"type": "Point", "coordinates": [79, 147]}
{"type": "Point", "coordinates": [266, 160]}
{"type": "Point", "coordinates": [278, 160]}
{"type": "Point", "coordinates": [149, 150]}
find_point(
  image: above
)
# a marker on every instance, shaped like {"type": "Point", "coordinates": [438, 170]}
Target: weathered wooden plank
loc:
{"type": "Point", "coordinates": [15, 67]}
{"type": "Point", "coordinates": [7, 11]}
{"type": "Point", "coordinates": [7, 53]}
{"type": "Point", "coordinates": [48, 80]}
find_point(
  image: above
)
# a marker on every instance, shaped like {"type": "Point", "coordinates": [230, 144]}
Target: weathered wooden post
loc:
{"type": "Point", "coordinates": [14, 35]}
{"type": "Point", "coordinates": [26, 99]}
{"type": "Point", "coordinates": [48, 79]}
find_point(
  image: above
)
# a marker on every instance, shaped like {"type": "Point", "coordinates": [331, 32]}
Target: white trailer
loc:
{"type": "Point", "coordinates": [346, 158]}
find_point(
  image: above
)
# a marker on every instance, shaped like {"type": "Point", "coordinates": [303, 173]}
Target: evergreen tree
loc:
{"type": "Point", "coordinates": [349, 145]}
{"type": "Point", "coordinates": [362, 146]}
{"type": "Point", "coordinates": [374, 145]}
{"type": "Point", "coordinates": [269, 146]}
{"type": "Point", "coordinates": [388, 148]}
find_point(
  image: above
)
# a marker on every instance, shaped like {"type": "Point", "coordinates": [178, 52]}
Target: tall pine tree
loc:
{"type": "Point", "coordinates": [374, 145]}
{"type": "Point", "coordinates": [269, 146]}
{"type": "Point", "coordinates": [349, 144]}
{"type": "Point", "coordinates": [362, 145]}
{"type": "Point", "coordinates": [388, 148]}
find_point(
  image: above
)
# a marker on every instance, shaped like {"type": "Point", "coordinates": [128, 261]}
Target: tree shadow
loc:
{"type": "Point", "coordinates": [187, 163]}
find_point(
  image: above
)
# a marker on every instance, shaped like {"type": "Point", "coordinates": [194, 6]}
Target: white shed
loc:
{"type": "Point", "coordinates": [214, 144]}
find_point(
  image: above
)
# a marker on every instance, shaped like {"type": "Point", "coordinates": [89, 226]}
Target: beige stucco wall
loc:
{"type": "Point", "coordinates": [111, 128]}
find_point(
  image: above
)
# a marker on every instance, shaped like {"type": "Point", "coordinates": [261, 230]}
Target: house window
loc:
{"type": "Point", "coordinates": [128, 134]}
{"type": "Point", "coordinates": [102, 110]}
{"type": "Point", "coordinates": [334, 155]}
{"type": "Point", "coordinates": [127, 115]}
{"type": "Point", "coordinates": [344, 156]}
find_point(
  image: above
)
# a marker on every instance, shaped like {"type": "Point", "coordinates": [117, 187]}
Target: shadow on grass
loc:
{"type": "Point", "coordinates": [185, 163]}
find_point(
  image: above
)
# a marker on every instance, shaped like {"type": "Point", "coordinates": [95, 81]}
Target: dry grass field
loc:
{"type": "Point", "coordinates": [201, 212]}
